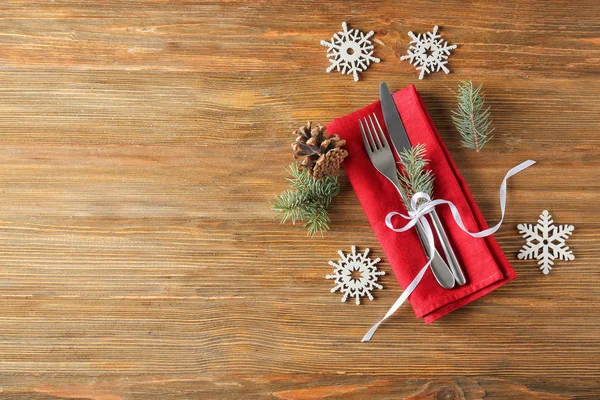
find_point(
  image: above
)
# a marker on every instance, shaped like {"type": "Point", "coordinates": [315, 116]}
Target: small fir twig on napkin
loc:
{"type": "Point", "coordinates": [471, 119]}
{"type": "Point", "coordinates": [414, 177]}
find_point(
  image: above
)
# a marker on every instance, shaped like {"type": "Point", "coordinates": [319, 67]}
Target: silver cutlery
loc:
{"type": "Point", "coordinates": [400, 140]}
{"type": "Point", "coordinates": [381, 157]}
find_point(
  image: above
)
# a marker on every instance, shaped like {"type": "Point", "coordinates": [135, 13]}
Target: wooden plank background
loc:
{"type": "Point", "coordinates": [141, 143]}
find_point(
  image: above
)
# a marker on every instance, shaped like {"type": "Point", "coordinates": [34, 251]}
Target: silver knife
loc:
{"type": "Point", "coordinates": [401, 142]}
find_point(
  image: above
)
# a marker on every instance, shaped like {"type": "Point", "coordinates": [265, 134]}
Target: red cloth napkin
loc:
{"type": "Point", "coordinates": [485, 266]}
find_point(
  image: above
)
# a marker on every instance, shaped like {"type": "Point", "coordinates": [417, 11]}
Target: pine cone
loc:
{"type": "Point", "coordinates": [322, 154]}
{"type": "Point", "coordinates": [329, 163]}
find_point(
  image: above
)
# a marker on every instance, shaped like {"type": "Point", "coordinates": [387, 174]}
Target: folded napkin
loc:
{"type": "Point", "coordinates": [485, 266]}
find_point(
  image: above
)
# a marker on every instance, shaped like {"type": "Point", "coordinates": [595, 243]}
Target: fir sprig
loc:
{"type": "Point", "coordinates": [471, 119]}
{"type": "Point", "coordinates": [307, 200]}
{"type": "Point", "coordinates": [414, 177]}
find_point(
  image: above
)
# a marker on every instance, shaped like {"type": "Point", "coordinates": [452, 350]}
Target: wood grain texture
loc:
{"type": "Point", "coordinates": [141, 143]}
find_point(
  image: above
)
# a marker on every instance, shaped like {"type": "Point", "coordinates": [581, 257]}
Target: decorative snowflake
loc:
{"type": "Point", "coordinates": [355, 275]}
{"type": "Point", "coordinates": [428, 52]}
{"type": "Point", "coordinates": [548, 238]}
{"type": "Point", "coordinates": [350, 51]}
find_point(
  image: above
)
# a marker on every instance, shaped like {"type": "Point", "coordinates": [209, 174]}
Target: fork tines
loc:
{"type": "Point", "coordinates": [376, 140]}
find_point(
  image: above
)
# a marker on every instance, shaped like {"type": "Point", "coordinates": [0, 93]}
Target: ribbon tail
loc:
{"type": "Point", "coordinates": [413, 285]}
{"type": "Point", "coordinates": [490, 231]}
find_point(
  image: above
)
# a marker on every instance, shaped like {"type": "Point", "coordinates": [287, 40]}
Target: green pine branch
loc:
{"type": "Point", "coordinates": [307, 200]}
{"type": "Point", "coordinates": [414, 177]}
{"type": "Point", "coordinates": [471, 119]}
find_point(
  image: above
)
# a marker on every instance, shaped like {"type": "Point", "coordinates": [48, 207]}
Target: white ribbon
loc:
{"type": "Point", "coordinates": [418, 213]}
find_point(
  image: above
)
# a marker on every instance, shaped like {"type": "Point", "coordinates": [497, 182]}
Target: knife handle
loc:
{"type": "Point", "coordinates": [438, 266]}
{"type": "Point", "coordinates": [447, 247]}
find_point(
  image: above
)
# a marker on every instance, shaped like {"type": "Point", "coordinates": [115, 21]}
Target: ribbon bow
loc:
{"type": "Point", "coordinates": [418, 213]}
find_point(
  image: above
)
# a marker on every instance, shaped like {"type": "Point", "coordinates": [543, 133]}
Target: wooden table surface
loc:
{"type": "Point", "coordinates": [142, 141]}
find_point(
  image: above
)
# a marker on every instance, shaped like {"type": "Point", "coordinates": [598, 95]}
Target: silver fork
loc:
{"type": "Point", "coordinates": [381, 157]}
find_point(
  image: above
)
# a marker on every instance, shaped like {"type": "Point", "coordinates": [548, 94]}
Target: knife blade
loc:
{"type": "Point", "coordinates": [400, 142]}
{"type": "Point", "coordinates": [394, 124]}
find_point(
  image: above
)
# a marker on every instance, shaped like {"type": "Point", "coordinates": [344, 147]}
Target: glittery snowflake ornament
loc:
{"type": "Point", "coordinates": [350, 51]}
{"type": "Point", "coordinates": [545, 242]}
{"type": "Point", "coordinates": [428, 52]}
{"type": "Point", "coordinates": [355, 275]}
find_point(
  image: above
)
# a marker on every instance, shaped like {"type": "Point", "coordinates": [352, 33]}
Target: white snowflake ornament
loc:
{"type": "Point", "coordinates": [350, 51]}
{"type": "Point", "coordinates": [545, 242]}
{"type": "Point", "coordinates": [428, 52]}
{"type": "Point", "coordinates": [355, 275]}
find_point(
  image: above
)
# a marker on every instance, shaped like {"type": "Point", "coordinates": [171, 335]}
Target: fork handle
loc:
{"type": "Point", "coordinates": [440, 269]}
